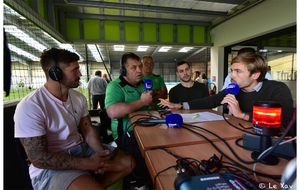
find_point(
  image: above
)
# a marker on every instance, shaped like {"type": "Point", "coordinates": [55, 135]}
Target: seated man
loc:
{"type": "Point", "coordinates": [248, 71]}
{"type": "Point", "coordinates": [227, 80]}
{"type": "Point", "coordinates": [125, 95]}
{"type": "Point", "coordinates": [47, 122]}
{"type": "Point", "coordinates": [187, 89]}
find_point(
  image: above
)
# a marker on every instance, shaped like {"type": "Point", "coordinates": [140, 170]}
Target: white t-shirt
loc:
{"type": "Point", "coordinates": [41, 113]}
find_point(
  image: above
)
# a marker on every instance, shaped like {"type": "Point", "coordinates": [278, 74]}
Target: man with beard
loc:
{"type": "Point", "coordinates": [47, 122]}
{"type": "Point", "coordinates": [187, 89]}
{"type": "Point", "coordinates": [124, 95]}
{"type": "Point", "coordinates": [248, 71]}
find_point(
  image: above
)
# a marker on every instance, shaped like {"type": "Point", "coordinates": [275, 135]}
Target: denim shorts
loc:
{"type": "Point", "coordinates": [61, 179]}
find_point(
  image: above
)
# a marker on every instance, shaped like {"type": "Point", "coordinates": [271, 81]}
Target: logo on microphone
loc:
{"type": "Point", "coordinates": [233, 88]}
{"type": "Point", "coordinates": [174, 120]}
{"type": "Point", "coordinates": [148, 84]}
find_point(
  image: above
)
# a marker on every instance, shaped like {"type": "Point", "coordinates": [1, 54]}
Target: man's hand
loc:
{"type": "Point", "coordinates": [164, 103]}
{"type": "Point", "coordinates": [146, 98]}
{"type": "Point", "coordinates": [100, 161]}
{"type": "Point", "coordinates": [233, 105]}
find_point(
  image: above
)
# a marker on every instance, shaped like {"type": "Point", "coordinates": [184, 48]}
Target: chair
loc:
{"type": "Point", "coordinates": [105, 127]}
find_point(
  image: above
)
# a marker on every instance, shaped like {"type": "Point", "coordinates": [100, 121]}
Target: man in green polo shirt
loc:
{"type": "Point", "coordinates": [159, 87]}
{"type": "Point", "coordinates": [125, 95]}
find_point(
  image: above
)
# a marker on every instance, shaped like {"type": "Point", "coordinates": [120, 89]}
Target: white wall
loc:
{"type": "Point", "coordinates": [266, 17]}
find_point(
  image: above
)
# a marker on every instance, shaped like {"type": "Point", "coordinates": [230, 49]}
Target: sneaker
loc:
{"type": "Point", "coordinates": [141, 188]}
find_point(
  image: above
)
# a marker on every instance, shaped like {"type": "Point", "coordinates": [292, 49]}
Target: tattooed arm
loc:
{"type": "Point", "coordinates": [38, 155]}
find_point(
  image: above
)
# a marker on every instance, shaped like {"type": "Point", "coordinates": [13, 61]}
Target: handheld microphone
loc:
{"type": "Point", "coordinates": [172, 120]}
{"type": "Point", "coordinates": [148, 84]}
{"type": "Point", "coordinates": [232, 88]}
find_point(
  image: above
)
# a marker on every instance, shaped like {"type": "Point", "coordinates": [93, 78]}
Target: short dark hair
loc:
{"type": "Point", "coordinates": [129, 55]}
{"type": "Point", "coordinates": [59, 57]}
{"type": "Point", "coordinates": [182, 62]}
{"type": "Point", "coordinates": [198, 73]}
{"type": "Point", "coordinates": [99, 73]}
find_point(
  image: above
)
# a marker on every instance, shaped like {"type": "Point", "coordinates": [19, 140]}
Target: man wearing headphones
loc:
{"type": "Point", "coordinates": [47, 122]}
{"type": "Point", "coordinates": [125, 95]}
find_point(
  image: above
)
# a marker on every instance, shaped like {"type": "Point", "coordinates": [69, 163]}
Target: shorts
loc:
{"type": "Point", "coordinates": [61, 179]}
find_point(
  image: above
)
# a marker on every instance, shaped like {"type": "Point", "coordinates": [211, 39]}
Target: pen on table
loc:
{"type": "Point", "coordinates": [196, 116]}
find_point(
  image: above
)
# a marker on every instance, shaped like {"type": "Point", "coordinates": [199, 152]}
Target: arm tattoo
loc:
{"type": "Point", "coordinates": [37, 152]}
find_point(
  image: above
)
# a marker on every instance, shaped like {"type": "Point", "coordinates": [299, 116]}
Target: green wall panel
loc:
{"type": "Point", "coordinates": [199, 35]}
{"type": "Point", "coordinates": [72, 28]}
{"type": "Point", "coordinates": [149, 32]}
{"type": "Point", "coordinates": [112, 30]}
{"type": "Point", "coordinates": [43, 9]}
{"type": "Point", "coordinates": [166, 33]}
{"type": "Point", "coordinates": [91, 29]}
{"type": "Point", "coordinates": [132, 31]}
{"type": "Point", "coordinates": [183, 33]}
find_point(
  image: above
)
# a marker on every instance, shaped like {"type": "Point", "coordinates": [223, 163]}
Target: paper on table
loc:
{"type": "Point", "coordinates": [201, 117]}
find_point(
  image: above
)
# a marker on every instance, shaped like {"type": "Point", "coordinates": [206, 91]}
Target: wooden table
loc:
{"type": "Point", "coordinates": [158, 160]}
{"type": "Point", "coordinates": [161, 135]}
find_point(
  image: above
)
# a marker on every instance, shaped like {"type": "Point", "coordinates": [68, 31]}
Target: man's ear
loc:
{"type": "Point", "coordinates": [256, 75]}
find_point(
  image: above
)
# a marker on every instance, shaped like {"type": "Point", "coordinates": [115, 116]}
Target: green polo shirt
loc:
{"type": "Point", "coordinates": [119, 90]}
{"type": "Point", "coordinates": [158, 83]}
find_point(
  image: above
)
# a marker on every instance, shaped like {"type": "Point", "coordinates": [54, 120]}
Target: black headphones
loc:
{"type": "Point", "coordinates": [123, 71]}
{"type": "Point", "coordinates": [55, 73]}
{"type": "Point", "coordinates": [123, 60]}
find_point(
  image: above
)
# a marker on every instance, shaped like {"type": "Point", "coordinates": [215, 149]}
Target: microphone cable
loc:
{"type": "Point", "coordinates": [127, 138]}
{"type": "Point", "coordinates": [187, 167]}
{"type": "Point", "coordinates": [239, 125]}
{"type": "Point", "coordinates": [229, 147]}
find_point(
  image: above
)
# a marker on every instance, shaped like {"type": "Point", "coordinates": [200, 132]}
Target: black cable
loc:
{"type": "Point", "coordinates": [162, 172]}
{"type": "Point", "coordinates": [225, 155]}
{"type": "Point", "coordinates": [233, 152]}
{"type": "Point", "coordinates": [236, 126]}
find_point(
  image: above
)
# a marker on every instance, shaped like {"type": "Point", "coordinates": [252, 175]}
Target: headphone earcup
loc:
{"type": "Point", "coordinates": [123, 71]}
{"type": "Point", "coordinates": [55, 73]}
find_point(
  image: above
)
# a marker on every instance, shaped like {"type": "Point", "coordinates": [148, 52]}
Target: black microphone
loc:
{"type": "Point", "coordinates": [148, 84]}
{"type": "Point", "coordinates": [232, 88]}
{"type": "Point", "coordinates": [172, 120]}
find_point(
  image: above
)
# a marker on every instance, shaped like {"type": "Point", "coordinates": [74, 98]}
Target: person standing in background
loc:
{"type": "Point", "coordinates": [187, 90]}
{"type": "Point", "coordinates": [159, 87]}
{"type": "Point", "coordinates": [106, 78]}
{"type": "Point", "coordinates": [97, 87]}
{"type": "Point", "coordinates": [197, 76]}
{"type": "Point", "coordinates": [203, 78]}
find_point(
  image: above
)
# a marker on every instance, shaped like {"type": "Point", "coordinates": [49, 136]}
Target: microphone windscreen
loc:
{"type": "Point", "coordinates": [174, 120]}
{"type": "Point", "coordinates": [232, 88]}
{"type": "Point", "coordinates": [148, 84]}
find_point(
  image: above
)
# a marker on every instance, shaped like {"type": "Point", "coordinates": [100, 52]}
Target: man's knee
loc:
{"type": "Point", "coordinates": [85, 182]}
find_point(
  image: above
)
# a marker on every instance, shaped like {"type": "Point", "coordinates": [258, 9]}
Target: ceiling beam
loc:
{"type": "Point", "coordinates": [136, 19]}
{"type": "Point", "coordinates": [150, 8]}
